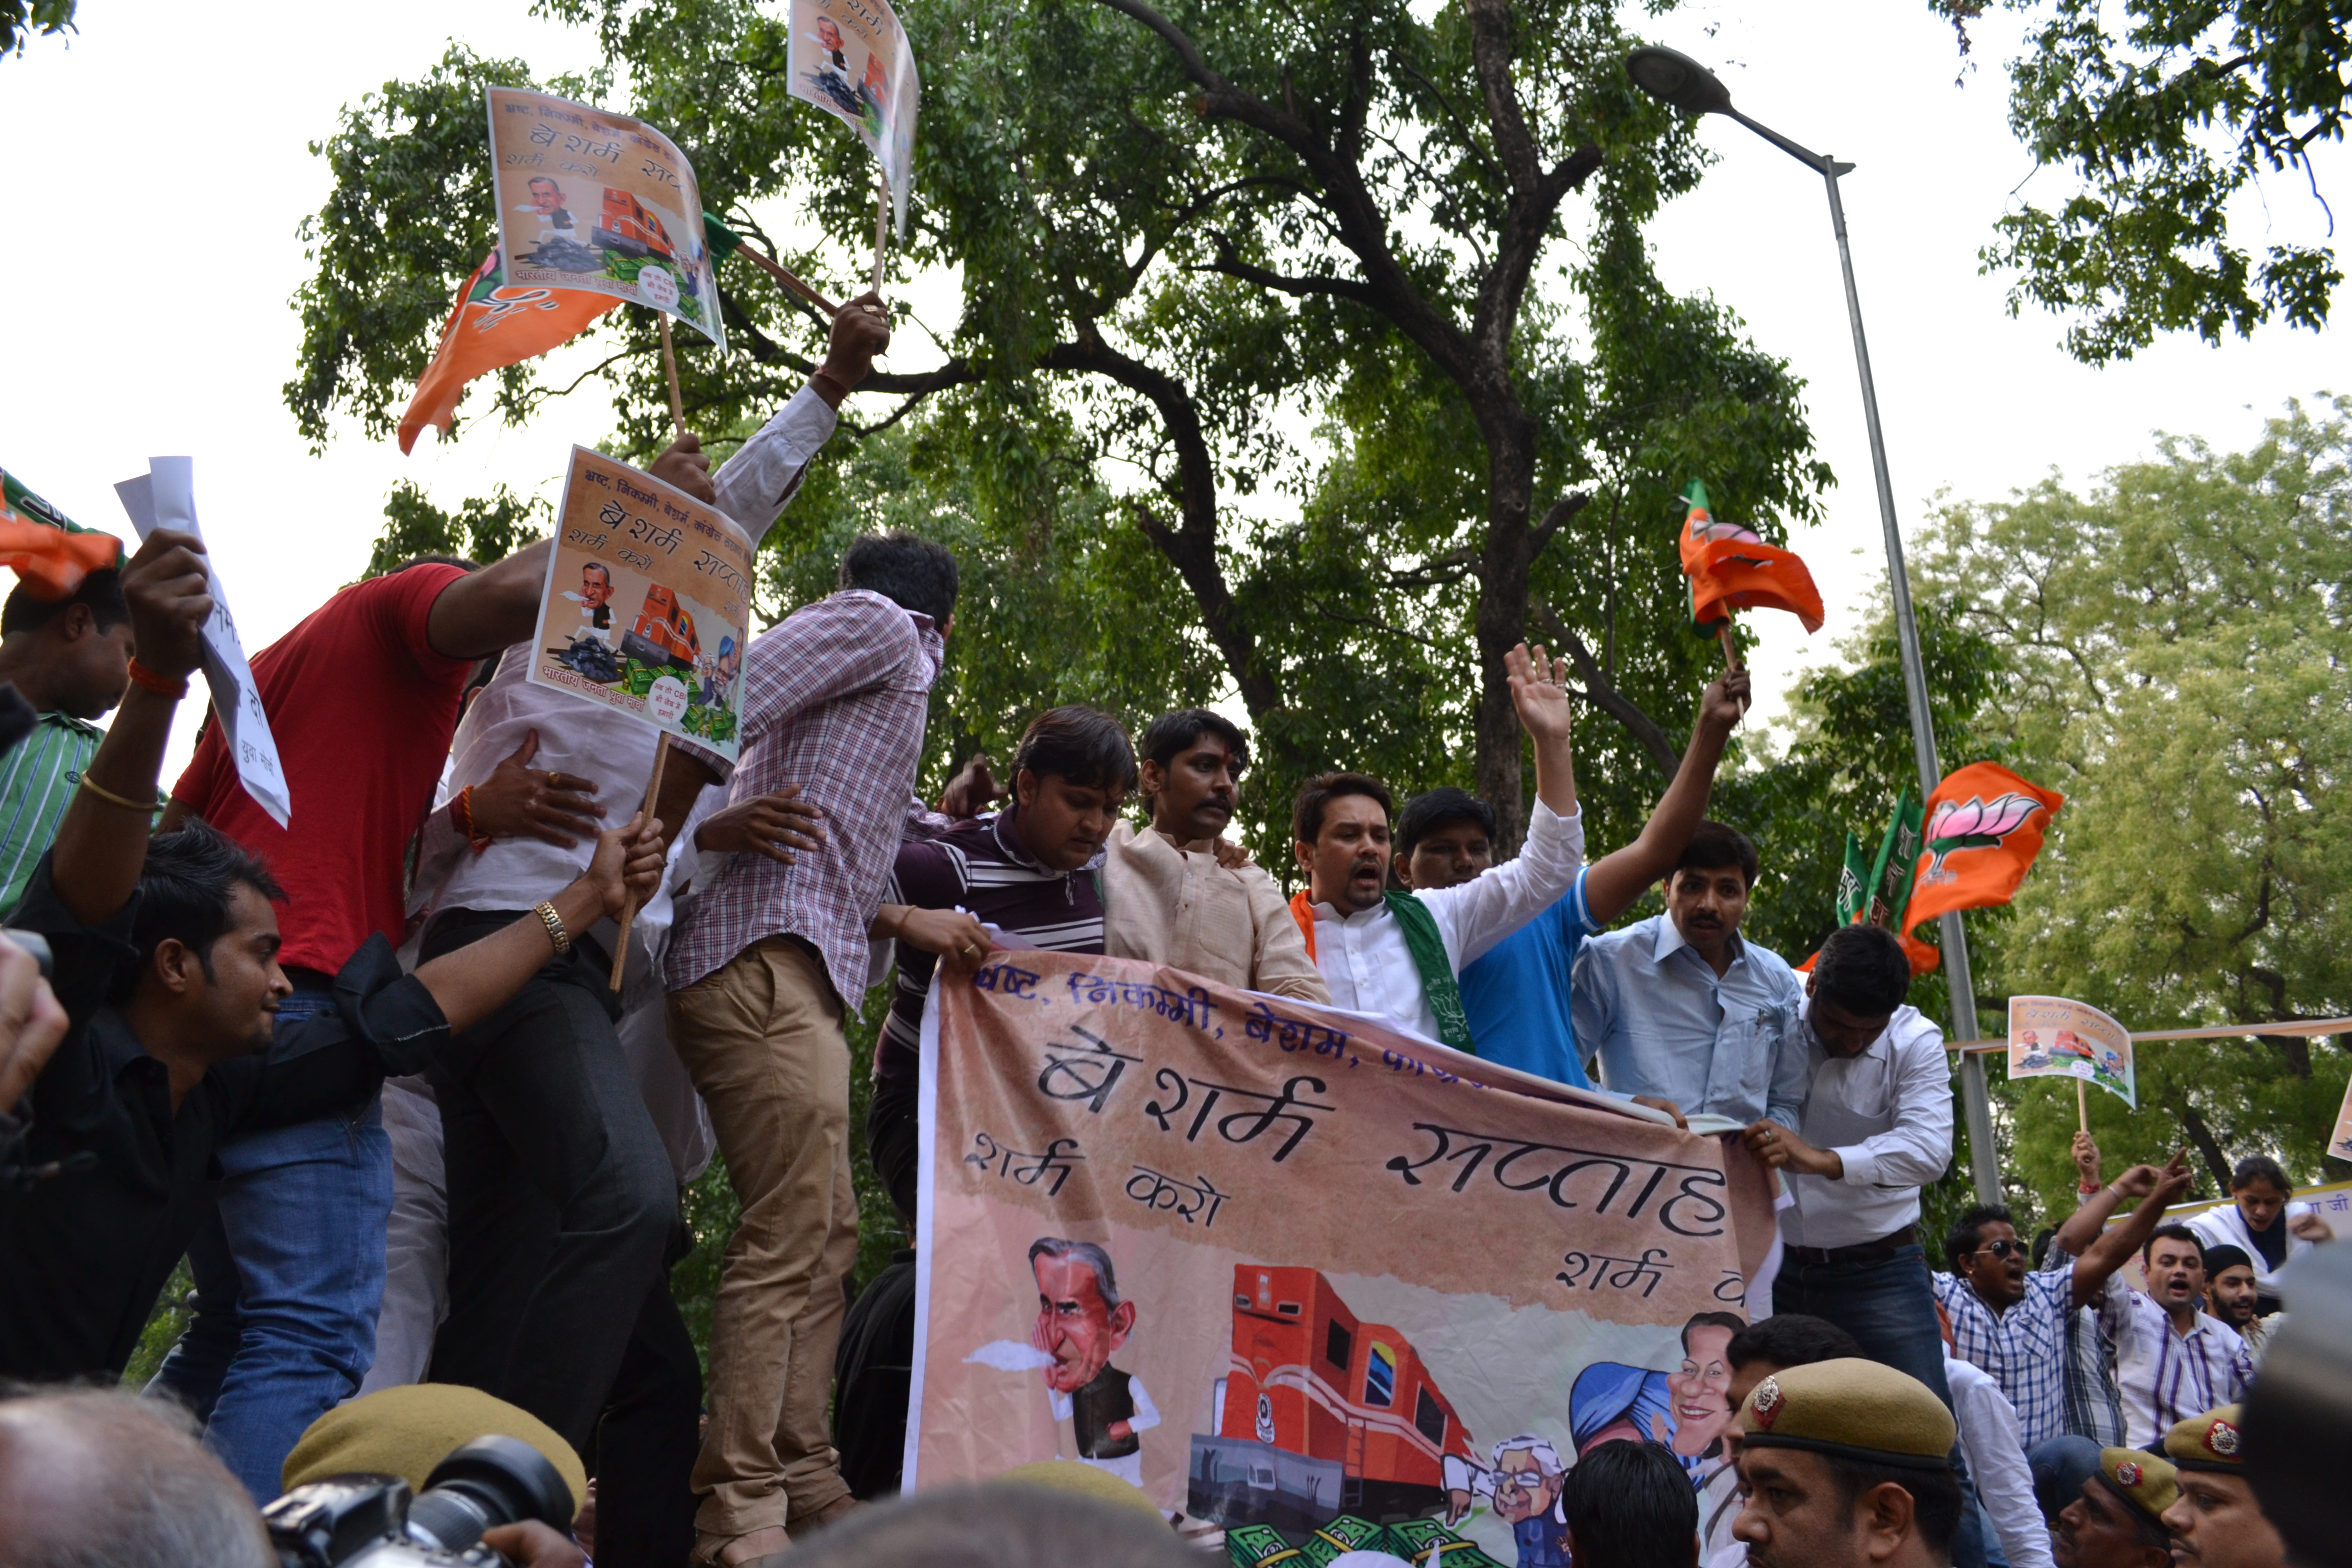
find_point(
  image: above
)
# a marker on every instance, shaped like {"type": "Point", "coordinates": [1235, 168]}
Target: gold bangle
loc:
{"type": "Point", "coordinates": [555, 924]}
{"type": "Point", "coordinates": [111, 798]}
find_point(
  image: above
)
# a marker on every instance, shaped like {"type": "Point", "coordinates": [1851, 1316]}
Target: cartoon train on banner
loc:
{"type": "Point", "coordinates": [1319, 1413]}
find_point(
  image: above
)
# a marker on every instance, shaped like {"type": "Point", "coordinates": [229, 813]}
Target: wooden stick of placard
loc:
{"type": "Point", "coordinates": [653, 795]}
{"type": "Point", "coordinates": [669, 366]}
{"type": "Point", "coordinates": [881, 226]}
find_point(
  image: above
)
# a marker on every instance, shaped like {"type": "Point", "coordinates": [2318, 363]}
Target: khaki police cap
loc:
{"type": "Point", "coordinates": [1855, 1408]}
{"type": "Point", "coordinates": [2214, 1441]}
{"type": "Point", "coordinates": [408, 1430]}
{"type": "Point", "coordinates": [2140, 1478]}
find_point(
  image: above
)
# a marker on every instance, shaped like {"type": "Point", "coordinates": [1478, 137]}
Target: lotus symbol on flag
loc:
{"type": "Point", "coordinates": [1975, 823]}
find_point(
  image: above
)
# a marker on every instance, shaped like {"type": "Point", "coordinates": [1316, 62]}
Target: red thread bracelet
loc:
{"type": "Point", "coordinates": [156, 683]}
{"type": "Point", "coordinates": [461, 812]}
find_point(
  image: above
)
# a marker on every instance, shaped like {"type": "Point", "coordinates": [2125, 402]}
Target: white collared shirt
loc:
{"type": "Point", "coordinates": [1887, 1115]}
{"type": "Point", "coordinates": [1363, 956]}
{"type": "Point", "coordinates": [1995, 1448]}
{"type": "Point", "coordinates": [2165, 1376]}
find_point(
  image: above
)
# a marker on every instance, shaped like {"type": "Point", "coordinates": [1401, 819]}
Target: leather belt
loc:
{"type": "Point", "coordinates": [1878, 1252]}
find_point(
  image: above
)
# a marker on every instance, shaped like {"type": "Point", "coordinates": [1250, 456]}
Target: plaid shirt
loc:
{"type": "Point", "coordinates": [2023, 1348]}
{"type": "Point", "coordinates": [2093, 1408]}
{"type": "Point", "coordinates": [836, 697]}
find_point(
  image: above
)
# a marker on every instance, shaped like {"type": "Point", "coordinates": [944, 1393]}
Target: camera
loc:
{"type": "Point", "coordinates": [371, 1520]}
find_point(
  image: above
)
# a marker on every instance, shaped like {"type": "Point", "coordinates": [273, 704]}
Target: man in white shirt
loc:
{"type": "Point", "coordinates": [1875, 1126]}
{"type": "Point", "coordinates": [1395, 955]}
{"type": "Point", "coordinates": [2173, 1359]}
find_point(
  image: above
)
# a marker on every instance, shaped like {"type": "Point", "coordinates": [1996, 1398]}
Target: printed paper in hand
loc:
{"type": "Point", "coordinates": [851, 59]}
{"type": "Point", "coordinates": [648, 602]}
{"type": "Point", "coordinates": [2049, 1036]}
{"type": "Point", "coordinates": [602, 204]}
{"type": "Point", "coordinates": [166, 497]}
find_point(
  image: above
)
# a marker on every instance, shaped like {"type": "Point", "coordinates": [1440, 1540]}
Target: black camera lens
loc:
{"type": "Point", "coordinates": [486, 1483]}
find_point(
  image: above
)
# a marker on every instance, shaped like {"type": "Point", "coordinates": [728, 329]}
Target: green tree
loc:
{"type": "Point", "coordinates": [2174, 645]}
{"type": "Point", "coordinates": [20, 19]}
{"type": "Point", "coordinates": [2165, 112]}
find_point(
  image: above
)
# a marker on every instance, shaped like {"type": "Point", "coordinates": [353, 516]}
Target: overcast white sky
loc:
{"type": "Point", "coordinates": [168, 167]}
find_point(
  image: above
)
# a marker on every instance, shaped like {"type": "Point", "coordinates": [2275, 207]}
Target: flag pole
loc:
{"type": "Point", "coordinates": [768, 265]}
{"type": "Point", "coordinates": [653, 795]}
{"type": "Point", "coordinates": [676, 403]}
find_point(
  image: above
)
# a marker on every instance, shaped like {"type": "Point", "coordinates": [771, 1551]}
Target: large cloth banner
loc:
{"type": "Point", "coordinates": [648, 602]}
{"type": "Point", "coordinates": [1288, 1272]}
{"type": "Point", "coordinates": [599, 203]}
{"type": "Point", "coordinates": [2049, 1036]}
{"type": "Point", "coordinates": [852, 59]}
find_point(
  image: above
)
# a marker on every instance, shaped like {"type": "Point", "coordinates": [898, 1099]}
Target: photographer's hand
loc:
{"type": "Point", "coordinates": [32, 1022]}
{"type": "Point", "coordinates": [532, 1544]}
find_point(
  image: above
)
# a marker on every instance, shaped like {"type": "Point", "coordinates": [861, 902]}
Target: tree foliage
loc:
{"type": "Point", "coordinates": [2166, 112]}
{"type": "Point", "coordinates": [2175, 647]}
{"type": "Point", "coordinates": [20, 19]}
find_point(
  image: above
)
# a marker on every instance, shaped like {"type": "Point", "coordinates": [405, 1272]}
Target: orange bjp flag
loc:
{"type": "Point", "coordinates": [490, 327]}
{"type": "Point", "coordinates": [1984, 829]}
{"type": "Point", "coordinates": [1730, 568]}
{"type": "Point", "coordinates": [46, 549]}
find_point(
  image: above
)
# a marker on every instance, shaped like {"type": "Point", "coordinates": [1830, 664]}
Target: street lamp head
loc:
{"type": "Point", "coordinates": [1673, 77]}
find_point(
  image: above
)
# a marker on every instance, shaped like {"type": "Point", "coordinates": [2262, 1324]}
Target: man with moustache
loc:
{"type": "Point", "coordinates": [2232, 1296]}
{"type": "Point", "coordinates": [2217, 1522]}
{"type": "Point", "coordinates": [1168, 896]}
{"type": "Point", "coordinates": [2117, 1521]}
{"type": "Point", "coordinates": [1845, 1463]}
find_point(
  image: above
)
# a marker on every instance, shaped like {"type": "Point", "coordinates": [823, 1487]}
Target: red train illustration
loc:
{"type": "Point", "coordinates": [627, 227]}
{"type": "Point", "coordinates": [1319, 1413]}
{"type": "Point", "coordinates": [664, 633]}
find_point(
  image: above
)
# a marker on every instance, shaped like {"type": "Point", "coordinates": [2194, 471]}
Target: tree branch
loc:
{"type": "Point", "coordinates": [1604, 694]}
{"type": "Point", "coordinates": [1232, 266]}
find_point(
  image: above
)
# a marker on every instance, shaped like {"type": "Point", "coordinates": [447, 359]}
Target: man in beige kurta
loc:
{"type": "Point", "coordinates": [1169, 899]}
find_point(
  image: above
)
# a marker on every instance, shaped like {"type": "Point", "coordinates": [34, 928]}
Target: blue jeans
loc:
{"type": "Point", "coordinates": [2059, 1465]}
{"type": "Point", "coordinates": [289, 1276]}
{"type": "Point", "coordinates": [1889, 1306]}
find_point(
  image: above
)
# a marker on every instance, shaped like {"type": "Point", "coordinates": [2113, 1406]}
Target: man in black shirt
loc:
{"type": "Point", "coordinates": [165, 958]}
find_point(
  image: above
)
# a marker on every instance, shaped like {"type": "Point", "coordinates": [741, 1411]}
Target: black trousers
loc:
{"type": "Point", "coordinates": [649, 1437]}
{"type": "Point", "coordinates": [561, 1199]}
{"type": "Point", "coordinates": [892, 1140]}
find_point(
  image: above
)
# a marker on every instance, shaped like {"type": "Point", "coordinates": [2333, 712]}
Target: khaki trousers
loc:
{"type": "Point", "coordinates": [761, 1039]}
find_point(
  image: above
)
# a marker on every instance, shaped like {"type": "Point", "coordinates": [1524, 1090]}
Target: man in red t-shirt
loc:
{"type": "Point", "coordinates": [362, 697]}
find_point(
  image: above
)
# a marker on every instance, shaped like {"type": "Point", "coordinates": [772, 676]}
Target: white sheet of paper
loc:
{"type": "Point", "coordinates": [166, 497]}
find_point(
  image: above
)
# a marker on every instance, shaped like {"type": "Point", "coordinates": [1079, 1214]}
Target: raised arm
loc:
{"type": "Point", "coordinates": [486, 611]}
{"type": "Point", "coordinates": [1618, 879]}
{"type": "Point", "coordinates": [1539, 694]}
{"type": "Point", "coordinates": [101, 841]}
{"type": "Point", "coordinates": [2105, 1255]}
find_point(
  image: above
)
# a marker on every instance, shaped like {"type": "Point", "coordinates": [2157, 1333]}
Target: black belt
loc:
{"type": "Point", "coordinates": [1878, 1252]}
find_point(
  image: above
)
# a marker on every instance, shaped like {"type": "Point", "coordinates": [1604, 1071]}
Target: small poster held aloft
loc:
{"type": "Point", "coordinates": [852, 59]}
{"type": "Point", "coordinates": [602, 204]}
{"type": "Point", "coordinates": [2049, 1036]}
{"type": "Point", "coordinates": [648, 603]}
{"type": "Point", "coordinates": [2339, 1142]}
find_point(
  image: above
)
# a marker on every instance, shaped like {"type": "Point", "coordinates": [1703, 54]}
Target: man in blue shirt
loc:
{"type": "Point", "coordinates": [1679, 1006]}
{"type": "Point", "coordinates": [1517, 995]}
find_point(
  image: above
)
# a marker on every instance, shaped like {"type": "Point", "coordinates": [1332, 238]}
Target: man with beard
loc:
{"type": "Point", "coordinates": [2117, 1521]}
{"type": "Point", "coordinates": [2218, 1522]}
{"type": "Point", "coordinates": [1168, 895]}
{"type": "Point", "coordinates": [1846, 1464]}
{"type": "Point", "coordinates": [2232, 1295]}
{"type": "Point", "coordinates": [1081, 1323]}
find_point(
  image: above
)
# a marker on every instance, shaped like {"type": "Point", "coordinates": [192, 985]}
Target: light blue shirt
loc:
{"type": "Point", "coordinates": [1664, 1023]}
{"type": "Point", "coordinates": [1516, 996]}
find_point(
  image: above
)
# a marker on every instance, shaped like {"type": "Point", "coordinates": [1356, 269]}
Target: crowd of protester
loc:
{"type": "Point", "coordinates": [371, 1078]}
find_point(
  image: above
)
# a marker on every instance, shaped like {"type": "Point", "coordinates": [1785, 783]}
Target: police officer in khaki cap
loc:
{"type": "Point", "coordinates": [1846, 1464]}
{"type": "Point", "coordinates": [2217, 1522]}
{"type": "Point", "coordinates": [2117, 1521]}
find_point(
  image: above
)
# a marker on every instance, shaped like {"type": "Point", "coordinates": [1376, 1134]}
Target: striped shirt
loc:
{"type": "Point", "coordinates": [980, 866]}
{"type": "Point", "coordinates": [2166, 1376]}
{"type": "Point", "coordinates": [2024, 1347]}
{"type": "Point", "coordinates": [37, 783]}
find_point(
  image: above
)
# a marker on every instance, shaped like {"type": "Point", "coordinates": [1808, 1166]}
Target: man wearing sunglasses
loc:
{"type": "Point", "coordinates": [2012, 1320]}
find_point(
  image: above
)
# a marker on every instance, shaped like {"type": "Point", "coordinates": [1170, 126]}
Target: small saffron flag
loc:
{"type": "Point", "coordinates": [493, 326]}
{"type": "Point", "coordinates": [1984, 829]}
{"type": "Point", "coordinates": [50, 551]}
{"type": "Point", "coordinates": [1730, 568]}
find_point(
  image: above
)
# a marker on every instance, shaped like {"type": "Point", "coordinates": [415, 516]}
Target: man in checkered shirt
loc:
{"type": "Point", "coordinates": [2010, 1321]}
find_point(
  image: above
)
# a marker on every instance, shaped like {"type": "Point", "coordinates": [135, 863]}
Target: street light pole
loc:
{"type": "Point", "coordinates": [1685, 84]}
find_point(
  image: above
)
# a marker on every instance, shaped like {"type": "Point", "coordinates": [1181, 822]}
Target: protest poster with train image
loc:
{"type": "Point", "coordinates": [599, 203]}
{"type": "Point", "coordinates": [1304, 1279]}
{"type": "Point", "coordinates": [648, 602]}
{"type": "Point", "coordinates": [852, 59]}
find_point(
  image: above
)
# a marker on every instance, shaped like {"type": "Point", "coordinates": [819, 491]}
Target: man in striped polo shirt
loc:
{"type": "Point", "coordinates": [70, 660]}
{"type": "Point", "coordinates": [1033, 869]}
